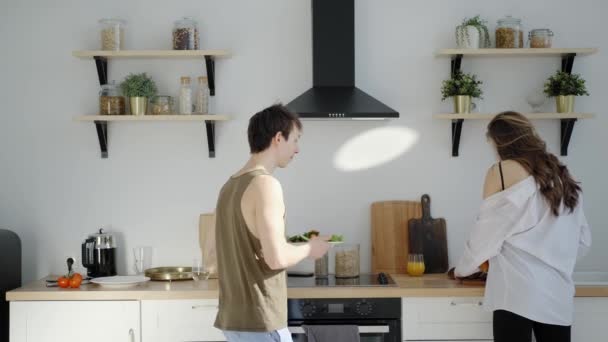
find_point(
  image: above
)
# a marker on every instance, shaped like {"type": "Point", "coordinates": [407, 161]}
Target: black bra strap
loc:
{"type": "Point", "coordinates": [502, 180]}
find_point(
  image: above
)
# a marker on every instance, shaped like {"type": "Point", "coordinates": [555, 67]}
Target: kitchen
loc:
{"type": "Point", "coordinates": [57, 190]}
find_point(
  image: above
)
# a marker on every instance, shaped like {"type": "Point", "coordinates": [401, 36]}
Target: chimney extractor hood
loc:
{"type": "Point", "coordinates": [334, 95]}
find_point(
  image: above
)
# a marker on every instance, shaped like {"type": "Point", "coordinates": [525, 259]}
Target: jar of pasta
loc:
{"type": "Point", "coordinates": [509, 33]}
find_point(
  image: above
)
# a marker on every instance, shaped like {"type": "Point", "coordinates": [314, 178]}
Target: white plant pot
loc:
{"type": "Point", "coordinates": [467, 37]}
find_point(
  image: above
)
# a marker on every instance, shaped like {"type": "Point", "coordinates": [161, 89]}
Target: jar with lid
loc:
{"type": "Point", "coordinates": [201, 104]}
{"type": "Point", "coordinates": [347, 260]}
{"type": "Point", "coordinates": [111, 102]}
{"type": "Point", "coordinates": [161, 105]}
{"type": "Point", "coordinates": [509, 33]}
{"type": "Point", "coordinates": [112, 34]}
{"type": "Point", "coordinates": [540, 38]}
{"type": "Point", "coordinates": [185, 96]}
{"type": "Point", "coordinates": [185, 34]}
{"type": "Point", "coordinates": [322, 266]}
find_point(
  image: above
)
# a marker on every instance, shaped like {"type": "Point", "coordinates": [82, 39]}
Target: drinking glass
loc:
{"type": "Point", "coordinates": [198, 270]}
{"type": "Point", "coordinates": [143, 258]}
{"type": "Point", "coordinates": [415, 264]}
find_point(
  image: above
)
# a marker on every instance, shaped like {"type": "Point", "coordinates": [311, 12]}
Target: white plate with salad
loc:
{"type": "Point", "coordinates": [305, 238]}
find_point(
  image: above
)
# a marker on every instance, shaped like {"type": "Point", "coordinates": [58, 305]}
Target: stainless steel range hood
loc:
{"type": "Point", "coordinates": [334, 95]}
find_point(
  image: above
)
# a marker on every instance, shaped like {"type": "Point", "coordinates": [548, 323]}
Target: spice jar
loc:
{"type": "Point", "coordinates": [112, 34]}
{"type": "Point", "coordinates": [185, 96]}
{"type": "Point", "coordinates": [201, 103]}
{"type": "Point", "coordinates": [509, 33]}
{"type": "Point", "coordinates": [347, 261]}
{"type": "Point", "coordinates": [185, 34]}
{"type": "Point", "coordinates": [540, 38]}
{"type": "Point", "coordinates": [110, 100]}
{"type": "Point", "coordinates": [161, 105]}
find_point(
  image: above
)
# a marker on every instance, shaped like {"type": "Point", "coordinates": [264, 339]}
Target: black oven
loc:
{"type": "Point", "coordinates": [377, 319]}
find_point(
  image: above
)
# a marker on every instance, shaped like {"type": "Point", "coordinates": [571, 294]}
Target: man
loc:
{"type": "Point", "coordinates": [251, 247]}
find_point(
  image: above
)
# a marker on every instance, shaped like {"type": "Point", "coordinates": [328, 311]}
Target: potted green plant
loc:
{"type": "Point", "coordinates": [462, 87]}
{"type": "Point", "coordinates": [138, 88]}
{"type": "Point", "coordinates": [473, 33]}
{"type": "Point", "coordinates": [564, 87]}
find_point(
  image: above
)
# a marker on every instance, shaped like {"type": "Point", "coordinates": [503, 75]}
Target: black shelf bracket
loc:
{"type": "Point", "coordinates": [456, 130]}
{"type": "Point", "coordinates": [210, 64]}
{"type": "Point", "coordinates": [102, 69]}
{"type": "Point", "coordinates": [210, 126]}
{"type": "Point", "coordinates": [567, 125]}
{"type": "Point", "coordinates": [455, 64]}
{"type": "Point", "coordinates": [102, 135]}
{"type": "Point", "coordinates": [568, 62]}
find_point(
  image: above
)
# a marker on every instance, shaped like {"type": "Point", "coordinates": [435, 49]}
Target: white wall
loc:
{"type": "Point", "coordinates": [55, 189]}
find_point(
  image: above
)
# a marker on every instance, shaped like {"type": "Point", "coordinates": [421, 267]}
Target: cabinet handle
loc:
{"type": "Point", "coordinates": [478, 303]}
{"type": "Point", "coordinates": [131, 335]}
{"type": "Point", "coordinates": [194, 307]}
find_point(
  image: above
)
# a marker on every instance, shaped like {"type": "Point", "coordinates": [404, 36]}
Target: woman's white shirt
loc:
{"type": "Point", "coordinates": [532, 253]}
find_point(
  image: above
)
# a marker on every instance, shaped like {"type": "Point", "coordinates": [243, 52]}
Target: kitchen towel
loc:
{"type": "Point", "coordinates": [332, 333]}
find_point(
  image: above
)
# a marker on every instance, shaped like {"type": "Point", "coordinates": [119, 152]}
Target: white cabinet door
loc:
{"type": "Point", "coordinates": [590, 319]}
{"type": "Point", "coordinates": [445, 319]}
{"type": "Point", "coordinates": [61, 321]}
{"type": "Point", "coordinates": [179, 320]}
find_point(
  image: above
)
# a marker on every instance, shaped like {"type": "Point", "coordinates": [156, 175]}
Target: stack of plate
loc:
{"type": "Point", "coordinates": [169, 273]}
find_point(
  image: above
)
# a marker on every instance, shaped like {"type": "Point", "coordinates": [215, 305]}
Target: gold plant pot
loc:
{"type": "Point", "coordinates": [565, 103]}
{"type": "Point", "coordinates": [138, 105]}
{"type": "Point", "coordinates": [462, 104]}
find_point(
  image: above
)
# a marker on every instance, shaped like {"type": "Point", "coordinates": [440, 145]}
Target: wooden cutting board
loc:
{"type": "Point", "coordinates": [390, 236]}
{"type": "Point", "coordinates": [428, 237]}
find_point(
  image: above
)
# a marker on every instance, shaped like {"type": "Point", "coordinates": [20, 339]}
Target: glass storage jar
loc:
{"type": "Point", "coordinates": [185, 34]}
{"type": "Point", "coordinates": [322, 266]}
{"type": "Point", "coordinates": [509, 33]}
{"type": "Point", "coordinates": [161, 105]}
{"type": "Point", "coordinates": [347, 260]}
{"type": "Point", "coordinates": [112, 34]}
{"type": "Point", "coordinates": [111, 102]}
{"type": "Point", "coordinates": [540, 38]}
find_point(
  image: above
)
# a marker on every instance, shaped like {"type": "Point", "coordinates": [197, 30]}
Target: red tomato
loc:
{"type": "Point", "coordinates": [75, 282]}
{"type": "Point", "coordinates": [77, 275]}
{"type": "Point", "coordinates": [63, 282]}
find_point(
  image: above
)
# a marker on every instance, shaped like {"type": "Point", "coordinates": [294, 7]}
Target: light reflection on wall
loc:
{"type": "Point", "coordinates": [374, 148]}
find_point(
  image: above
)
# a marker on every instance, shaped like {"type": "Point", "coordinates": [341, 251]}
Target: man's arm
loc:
{"type": "Point", "coordinates": [270, 226]}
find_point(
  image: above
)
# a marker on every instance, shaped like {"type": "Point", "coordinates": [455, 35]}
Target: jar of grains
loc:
{"type": "Point", "coordinates": [112, 34]}
{"type": "Point", "coordinates": [540, 38]}
{"type": "Point", "coordinates": [161, 105]}
{"type": "Point", "coordinates": [509, 33]}
{"type": "Point", "coordinates": [185, 34]}
{"type": "Point", "coordinates": [111, 102]}
{"type": "Point", "coordinates": [347, 261]}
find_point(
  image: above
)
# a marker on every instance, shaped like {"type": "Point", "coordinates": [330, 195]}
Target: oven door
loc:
{"type": "Point", "coordinates": [369, 331]}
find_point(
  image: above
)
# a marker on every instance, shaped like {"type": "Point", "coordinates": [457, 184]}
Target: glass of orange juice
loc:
{"type": "Point", "coordinates": [415, 264]}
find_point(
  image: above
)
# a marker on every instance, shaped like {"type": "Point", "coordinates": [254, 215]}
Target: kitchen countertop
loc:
{"type": "Point", "coordinates": [436, 285]}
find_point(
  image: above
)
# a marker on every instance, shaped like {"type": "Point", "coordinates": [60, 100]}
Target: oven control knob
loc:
{"type": "Point", "coordinates": [308, 309]}
{"type": "Point", "coordinates": [363, 308]}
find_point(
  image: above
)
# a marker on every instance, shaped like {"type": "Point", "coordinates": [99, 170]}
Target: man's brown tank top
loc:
{"type": "Point", "coordinates": [252, 297]}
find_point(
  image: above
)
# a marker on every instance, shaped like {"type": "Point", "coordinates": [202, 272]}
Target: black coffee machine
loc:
{"type": "Point", "coordinates": [99, 255]}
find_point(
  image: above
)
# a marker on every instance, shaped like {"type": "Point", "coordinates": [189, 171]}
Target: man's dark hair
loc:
{"type": "Point", "coordinates": [264, 125]}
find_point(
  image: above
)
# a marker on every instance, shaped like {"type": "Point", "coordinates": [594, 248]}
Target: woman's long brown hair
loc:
{"type": "Point", "coordinates": [516, 139]}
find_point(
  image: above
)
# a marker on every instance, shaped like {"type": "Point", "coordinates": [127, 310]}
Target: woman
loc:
{"type": "Point", "coordinates": [530, 228]}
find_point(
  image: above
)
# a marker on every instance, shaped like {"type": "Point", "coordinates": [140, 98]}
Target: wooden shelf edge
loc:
{"type": "Point", "coordinates": [176, 117]}
{"type": "Point", "coordinates": [531, 116]}
{"type": "Point", "coordinates": [516, 52]}
{"type": "Point", "coordinates": [150, 53]}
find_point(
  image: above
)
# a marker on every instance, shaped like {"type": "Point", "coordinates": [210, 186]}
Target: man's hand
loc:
{"type": "Point", "coordinates": [318, 247]}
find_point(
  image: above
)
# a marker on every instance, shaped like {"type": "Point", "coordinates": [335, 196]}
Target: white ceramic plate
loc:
{"type": "Point", "coordinates": [303, 243]}
{"type": "Point", "coordinates": [120, 281]}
